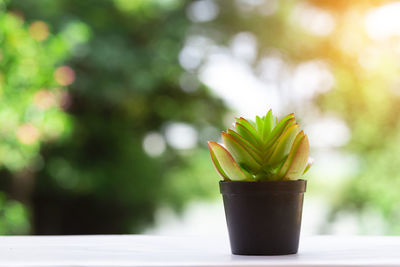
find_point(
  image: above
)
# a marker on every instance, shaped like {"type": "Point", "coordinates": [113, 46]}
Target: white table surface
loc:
{"type": "Point", "coordinates": [141, 250]}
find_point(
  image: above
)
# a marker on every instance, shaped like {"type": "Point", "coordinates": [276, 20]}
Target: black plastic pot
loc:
{"type": "Point", "coordinates": [263, 218]}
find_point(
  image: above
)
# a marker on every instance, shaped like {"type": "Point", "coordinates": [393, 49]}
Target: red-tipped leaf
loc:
{"type": "Point", "coordinates": [225, 164]}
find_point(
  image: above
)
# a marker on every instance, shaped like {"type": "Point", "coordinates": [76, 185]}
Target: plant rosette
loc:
{"type": "Point", "coordinates": [262, 163]}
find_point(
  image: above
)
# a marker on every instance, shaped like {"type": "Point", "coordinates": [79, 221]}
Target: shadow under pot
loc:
{"type": "Point", "coordinates": [263, 218]}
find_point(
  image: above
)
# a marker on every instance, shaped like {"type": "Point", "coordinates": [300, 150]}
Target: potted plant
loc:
{"type": "Point", "coordinates": [261, 166]}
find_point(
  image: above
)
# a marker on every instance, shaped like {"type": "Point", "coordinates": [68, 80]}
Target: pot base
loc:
{"type": "Point", "coordinates": [263, 218]}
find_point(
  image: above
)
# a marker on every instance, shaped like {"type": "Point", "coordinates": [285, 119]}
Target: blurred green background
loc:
{"type": "Point", "coordinates": [106, 106]}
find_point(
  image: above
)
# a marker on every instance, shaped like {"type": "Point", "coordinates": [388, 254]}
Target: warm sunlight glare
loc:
{"type": "Point", "coordinates": [383, 22]}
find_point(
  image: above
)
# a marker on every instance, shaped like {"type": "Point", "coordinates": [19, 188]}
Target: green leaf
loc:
{"type": "Point", "coordinates": [246, 134]}
{"type": "Point", "coordinates": [240, 153]}
{"type": "Point", "coordinates": [280, 128]}
{"type": "Point", "coordinates": [252, 123]}
{"type": "Point", "coordinates": [260, 126]}
{"type": "Point", "coordinates": [225, 164]}
{"type": "Point", "coordinates": [249, 127]}
{"type": "Point", "coordinates": [246, 144]}
{"type": "Point", "coordinates": [296, 163]}
{"type": "Point", "coordinates": [283, 145]}
{"type": "Point", "coordinates": [268, 125]}
{"type": "Point", "coordinates": [216, 162]}
{"type": "Point", "coordinates": [273, 140]}
{"type": "Point", "coordinates": [309, 164]}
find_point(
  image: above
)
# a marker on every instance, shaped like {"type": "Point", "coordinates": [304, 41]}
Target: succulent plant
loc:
{"type": "Point", "coordinates": [264, 150]}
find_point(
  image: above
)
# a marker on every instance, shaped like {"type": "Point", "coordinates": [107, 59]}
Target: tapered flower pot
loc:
{"type": "Point", "coordinates": [263, 218]}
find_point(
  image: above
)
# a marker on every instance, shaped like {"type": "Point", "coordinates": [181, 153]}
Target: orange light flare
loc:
{"type": "Point", "coordinates": [39, 31]}
{"type": "Point", "coordinates": [27, 134]}
{"type": "Point", "coordinates": [371, 36]}
{"type": "Point", "coordinates": [366, 33]}
{"type": "Point", "coordinates": [64, 75]}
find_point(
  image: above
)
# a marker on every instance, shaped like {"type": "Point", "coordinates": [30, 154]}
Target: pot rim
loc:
{"type": "Point", "coordinates": [262, 187]}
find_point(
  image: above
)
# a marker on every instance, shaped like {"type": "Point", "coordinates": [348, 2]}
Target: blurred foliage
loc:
{"type": "Point", "coordinates": [30, 113]}
{"type": "Point", "coordinates": [365, 93]}
{"type": "Point", "coordinates": [13, 217]}
{"type": "Point", "coordinates": [121, 65]}
{"type": "Point", "coordinates": [75, 157]}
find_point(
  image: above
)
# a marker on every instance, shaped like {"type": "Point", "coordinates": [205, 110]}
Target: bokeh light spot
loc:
{"type": "Point", "coordinates": [202, 11]}
{"type": "Point", "coordinates": [64, 100]}
{"type": "Point", "coordinates": [43, 99]}
{"type": "Point", "coordinates": [244, 46]}
{"type": "Point", "coordinates": [181, 135]}
{"type": "Point", "coordinates": [17, 16]}
{"type": "Point", "coordinates": [27, 134]}
{"type": "Point", "coordinates": [154, 144]}
{"type": "Point", "coordinates": [383, 22]}
{"type": "Point", "coordinates": [314, 20]}
{"type": "Point", "coordinates": [189, 82]}
{"type": "Point", "coordinates": [39, 30]}
{"type": "Point", "coordinates": [64, 75]}
{"type": "Point", "coordinates": [328, 132]}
